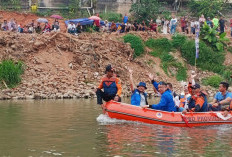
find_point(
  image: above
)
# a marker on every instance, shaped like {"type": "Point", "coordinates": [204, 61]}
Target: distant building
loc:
{"type": "Point", "coordinates": [119, 6]}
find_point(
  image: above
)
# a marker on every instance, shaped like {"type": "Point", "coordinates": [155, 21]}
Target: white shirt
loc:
{"type": "Point", "coordinates": [142, 100]}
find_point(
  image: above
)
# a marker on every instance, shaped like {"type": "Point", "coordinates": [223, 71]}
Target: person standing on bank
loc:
{"type": "Point", "coordinates": [139, 96]}
{"type": "Point", "coordinates": [111, 85]}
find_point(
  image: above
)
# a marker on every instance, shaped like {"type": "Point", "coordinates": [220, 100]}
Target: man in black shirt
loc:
{"type": "Point", "coordinates": [222, 25]}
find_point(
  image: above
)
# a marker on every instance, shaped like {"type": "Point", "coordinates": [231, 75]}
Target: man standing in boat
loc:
{"type": "Point", "coordinates": [139, 96]}
{"type": "Point", "coordinates": [166, 102]}
{"type": "Point", "coordinates": [111, 85]}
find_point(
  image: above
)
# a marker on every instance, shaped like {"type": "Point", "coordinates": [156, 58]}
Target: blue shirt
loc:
{"type": "Point", "coordinates": [125, 19]}
{"type": "Point", "coordinates": [166, 102]}
{"type": "Point", "coordinates": [220, 97]}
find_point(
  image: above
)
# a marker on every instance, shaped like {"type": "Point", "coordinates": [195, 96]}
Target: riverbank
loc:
{"type": "Point", "coordinates": [60, 65]}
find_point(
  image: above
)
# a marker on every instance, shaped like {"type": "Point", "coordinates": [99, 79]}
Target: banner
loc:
{"type": "Point", "coordinates": [197, 30]}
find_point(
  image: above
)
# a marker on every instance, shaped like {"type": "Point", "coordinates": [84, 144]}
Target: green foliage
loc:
{"type": "Point", "coordinates": [11, 72]}
{"type": "Point", "coordinates": [74, 9]}
{"type": "Point", "coordinates": [213, 81]}
{"type": "Point", "coordinates": [110, 16]}
{"type": "Point", "coordinates": [161, 44]}
{"type": "Point", "coordinates": [146, 9]}
{"type": "Point", "coordinates": [44, 13]}
{"type": "Point", "coordinates": [212, 38]}
{"type": "Point", "coordinates": [209, 8]}
{"type": "Point", "coordinates": [161, 48]}
{"type": "Point", "coordinates": [208, 59]}
{"type": "Point", "coordinates": [178, 40]}
{"type": "Point", "coordinates": [229, 49]}
{"type": "Point", "coordinates": [181, 73]}
{"type": "Point", "coordinates": [10, 4]}
{"type": "Point", "coordinates": [136, 43]}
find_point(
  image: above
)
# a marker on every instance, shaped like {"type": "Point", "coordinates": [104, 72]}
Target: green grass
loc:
{"type": "Point", "coordinates": [136, 44]}
{"type": "Point", "coordinates": [10, 72]}
{"type": "Point", "coordinates": [213, 81]}
{"type": "Point", "coordinates": [161, 48]}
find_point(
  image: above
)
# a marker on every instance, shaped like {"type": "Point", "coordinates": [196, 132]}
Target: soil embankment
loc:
{"type": "Point", "coordinates": [60, 65]}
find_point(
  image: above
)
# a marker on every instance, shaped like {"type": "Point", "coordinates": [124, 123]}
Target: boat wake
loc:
{"type": "Point", "coordinates": [104, 119]}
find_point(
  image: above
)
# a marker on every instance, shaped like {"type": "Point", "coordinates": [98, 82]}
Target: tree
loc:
{"type": "Point", "coordinates": [209, 8]}
{"type": "Point", "coordinates": [146, 9]}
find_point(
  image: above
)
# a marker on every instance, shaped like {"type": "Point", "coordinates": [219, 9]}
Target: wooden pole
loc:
{"type": "Point", "coordinates": [4, 83]}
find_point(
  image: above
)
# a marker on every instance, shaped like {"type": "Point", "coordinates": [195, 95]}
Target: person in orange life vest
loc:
{"type": "Point", "coordinates": [198, 100]}
{"type": "Point", "coordinates": [111, 85]}
{"type": "Point", "coordinates": [139, 96]}
{"type": "Point", "coordinates": [222, 97]}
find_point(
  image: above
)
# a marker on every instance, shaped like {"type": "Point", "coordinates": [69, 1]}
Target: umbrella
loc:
{"type": "Point", "coordinates": [56, 16]}
{"type": "Point", "coordinates": [94, 18]}
{"type": "Point", "coordinates": [42, 20]}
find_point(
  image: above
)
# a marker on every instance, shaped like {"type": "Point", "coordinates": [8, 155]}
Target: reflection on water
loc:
{"type": "Point", "coordinates": [78, 128]}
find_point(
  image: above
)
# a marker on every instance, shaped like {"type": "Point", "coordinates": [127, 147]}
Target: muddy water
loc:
{"type": "Point", "coordinates": [77, 128]}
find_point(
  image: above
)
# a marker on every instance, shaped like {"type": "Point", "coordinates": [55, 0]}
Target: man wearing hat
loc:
{"type": "Point", "coordinates": [139, 96]}
{"type": "Point", "coordinates": [111, 85]}
{"type": "Point", "coordinates": [198, 100]}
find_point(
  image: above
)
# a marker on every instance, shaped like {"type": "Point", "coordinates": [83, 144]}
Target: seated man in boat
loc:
{"type": "Point", "coordinates": [198, 100]}
{"type": "Point", "coordinates": [156, 84]}
{"type": "Point", "coordinates": [222, 97]}
{"type": "Point", "coordinates": [166, 102]}
{"type": "Point", "coordinates": [139, 96]}
{"type": "Point", "coordinates": [111, 85]}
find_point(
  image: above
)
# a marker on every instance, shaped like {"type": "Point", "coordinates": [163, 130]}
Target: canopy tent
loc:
{"type": "Point", "coordinates": [86, 21]}
{"type": "Point", "coordinates": [82, 21]}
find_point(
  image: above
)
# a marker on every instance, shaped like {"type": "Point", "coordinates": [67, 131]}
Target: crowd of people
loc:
{"type": "Point", "coordinates": [193, 99]}
{"type": "Point", "coordinates": [188, 25]}
{"type": "Point", "coordinates": [160, 25]}
{"type": "Point", "coordinates": [32, 27]}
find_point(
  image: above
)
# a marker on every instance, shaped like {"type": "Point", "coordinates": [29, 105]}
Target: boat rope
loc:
{"type": "Point", "coordinates": [185, 120]}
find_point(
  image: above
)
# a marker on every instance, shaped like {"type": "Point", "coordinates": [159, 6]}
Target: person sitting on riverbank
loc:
{"type": "Point", "coordinates": [46, 28]}
{"type": "Point", "coordinates": [111, 85]}
{"type": "Point", "coordinates": [166, 102]}
{"type": "Point", "coordinates": [113, 27]}
{"type": "Point", "coordinates": [5, 26]}
{"type": "Point", "coordinates": [56, 26]}
{"type": "Point", "coordinates": [71, 28]}
{"type": "Point", "coordinates": [139, 96]}
{"type": "Point", "coordinates": [223, 97]}
{"type": "Point", "coordinates": [38, 28]}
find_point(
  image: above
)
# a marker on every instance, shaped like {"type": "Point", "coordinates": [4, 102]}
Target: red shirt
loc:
{"type": "Point", "coordinates": [97, 23]}
{"type": "Point", "coordinates": [230, 22]}
{"type": "Point", "coordinates": [153, 26]}
{"type": "Point", "coordinates": [182, 23]}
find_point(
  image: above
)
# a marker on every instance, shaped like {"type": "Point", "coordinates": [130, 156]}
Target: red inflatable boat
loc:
{"type": "Point", "coordinates": [135, 113]}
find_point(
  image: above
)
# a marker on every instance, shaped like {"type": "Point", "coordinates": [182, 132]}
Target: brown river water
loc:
{"type": "Point", "coordinates": [77, 128]}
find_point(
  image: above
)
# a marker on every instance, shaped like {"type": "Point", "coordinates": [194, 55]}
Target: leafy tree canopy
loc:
{"type": "Point", "coordinates": [209, 8]}
{"type": "Point", "coordinates": [146, 9]}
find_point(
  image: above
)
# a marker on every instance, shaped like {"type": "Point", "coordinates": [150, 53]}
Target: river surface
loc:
{"type": "Point", "coordinates": [77, 128]}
